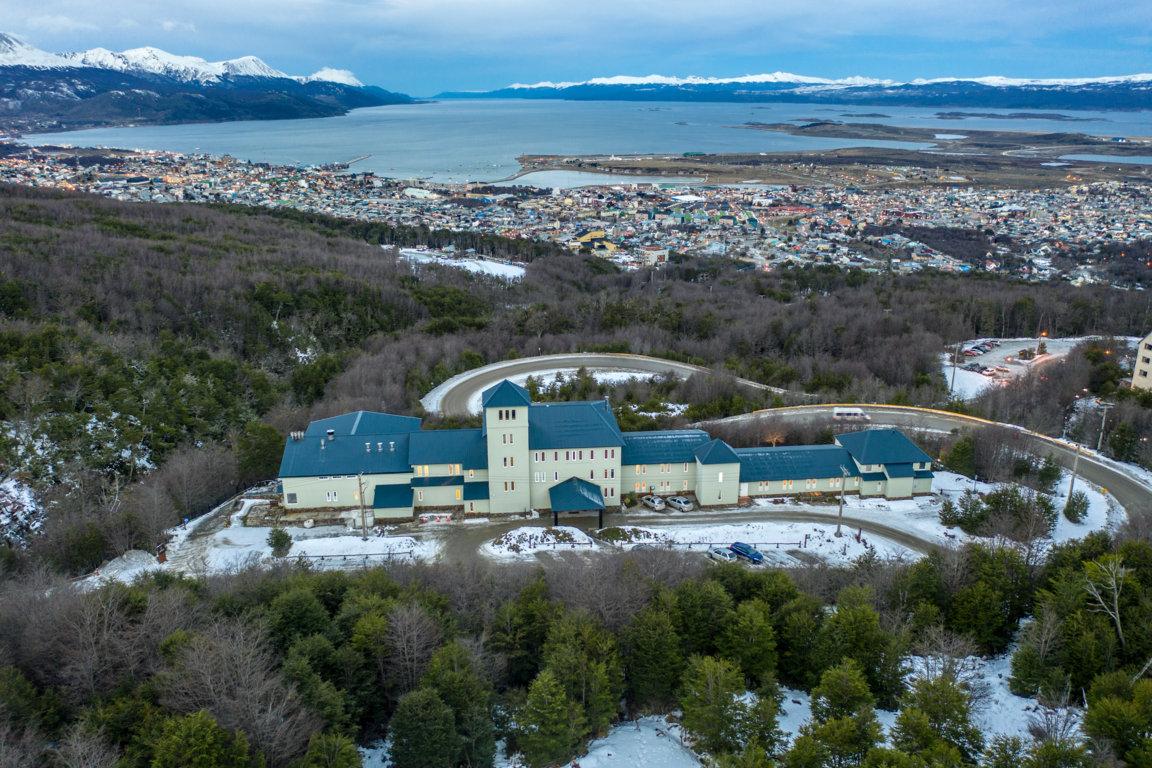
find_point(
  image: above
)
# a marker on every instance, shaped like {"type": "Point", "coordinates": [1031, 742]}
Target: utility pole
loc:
{"type": "Point", "coordinates": [955, 365]}
{"type": "Point", "coordinates": [360, 496]}
{"type": "Point", "coordinates": [843, 482]}
{"type": "Point", "coordinates": [1103, 420]}
{"type": "Point", "coordinates": [1075, 467]}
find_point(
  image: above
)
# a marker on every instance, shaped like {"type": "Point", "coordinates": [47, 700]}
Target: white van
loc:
{"type": "Point", "coordinates": [850, 414]}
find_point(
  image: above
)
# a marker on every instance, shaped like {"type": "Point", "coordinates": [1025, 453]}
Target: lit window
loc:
{"type": "Point", "coordinates": [458, 494]}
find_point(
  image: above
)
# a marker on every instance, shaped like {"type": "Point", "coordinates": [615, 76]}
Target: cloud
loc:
{"type": "Point", "coordinates": [168, 25]}
{"type": "Point", "coordinates": [57, 24]}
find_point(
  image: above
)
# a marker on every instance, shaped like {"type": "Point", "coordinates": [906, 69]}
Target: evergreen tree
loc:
{"type": "Point", "coordinates": [797, 623]}
{"type": "Point", "coordinates": [1004, 752]}
{"type": "Point", "coordinates": [702, 607]}
{"type": "Point", "coordinates": [842, 742]}
{"type": "Point", "coordinates": [652, 660]}
{"type": "Point", "coordinates": [550, 725]}
{"type": "Point", "coordinates": [584, 659]}
{"type": "Point", "coordinates": [259, 448]}
{"type": "Point", "coordinates": [750, 640]}
{"type": "Point", "coordinates": [296, 613]}
{"type": "Point", "coordinates": [947, 713]}
{"type": "Point", "coordinates": [423, 731]}
{"type": "Point", "coordinates": [329, 750]}
{"type": "Point", "coordinates": [843, 690]}
{"type": "Point", "coordinates": [710, 699]}
{"type": "Point", "coordinates": [519, 631]}
{"type": "Point", "coordinates": [452, 674]}
{"type": "Point", "coordinates": [1048, 475]}
{"type": "Point", "coordinates": [197, 741]}
{"type": "Point", "coordinates": [961, 457]}
{"type": "Point", "coordinates": [854, 632]}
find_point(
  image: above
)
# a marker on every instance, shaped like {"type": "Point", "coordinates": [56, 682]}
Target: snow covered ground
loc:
{"type": "Point", "coordinates": [601, 375]}
{"type": "Point", "coordinates": [500, 269]}
{"type": "Point", "coordinates": [970, 384]}
{"type": "Point", "coordinates": [524, 542]}
{"type": "Point", "coordinates": [20, 514]}
{"type": "Point", "coordinates": [774, 540]}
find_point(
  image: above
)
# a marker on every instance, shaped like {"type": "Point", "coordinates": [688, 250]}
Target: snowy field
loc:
{"type": "Point", "coordinates": [501, 269]}
{"type": "Point", "coordinates": [775, 540]}
{"type": "Point", "coordinates": [970, 384]}
{"type": "Point", "coordinates": [524, 542]}
{"type": "Point", "coordinates": [550, 376]}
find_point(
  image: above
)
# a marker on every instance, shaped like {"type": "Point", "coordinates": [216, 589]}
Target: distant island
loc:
{"type": "Point", "coordinates": [1013, 116]}
{"type": "Point", "coordinates": [1130, 92]}
{"type": "Point", "coordinates": [42, 91]}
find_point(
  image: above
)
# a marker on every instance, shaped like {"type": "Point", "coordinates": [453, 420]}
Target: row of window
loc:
{"type": "Point", "coordinates": [665, 469]}
{"type": "Point", "coordinates": [663, 486]}
{"type": "Point", "coordinates": [506, 414]}
{"type": "Point", "coordinates": [608, 453]}
{"type": "Point", "coordinates": [425, 470]}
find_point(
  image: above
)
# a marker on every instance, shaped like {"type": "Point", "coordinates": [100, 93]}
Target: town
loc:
{"type": "Point", "coordinates": [1090, 233]}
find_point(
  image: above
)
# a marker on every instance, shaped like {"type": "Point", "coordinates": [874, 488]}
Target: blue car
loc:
{"type": "Point", "coordinates": [747, 552]}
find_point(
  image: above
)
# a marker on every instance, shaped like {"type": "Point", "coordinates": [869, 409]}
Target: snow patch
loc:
{"type": "Point", "coordinates": [524, 542]}
{"type": "Point", "coordinates": [504, 270]}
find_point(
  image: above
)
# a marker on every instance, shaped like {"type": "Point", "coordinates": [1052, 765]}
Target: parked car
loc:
{"type": "Point", "coordinates": [721, 555]}
{"type": "Point", "coordinates": [653, 502]}
{"type": "Point", "coordinates": [747, 552]}
{"type": "Point", "coordinates": [682, 503]}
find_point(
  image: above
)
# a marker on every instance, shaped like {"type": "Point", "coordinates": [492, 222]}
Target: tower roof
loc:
{"type": "Point", "coordinates": [505, 395]}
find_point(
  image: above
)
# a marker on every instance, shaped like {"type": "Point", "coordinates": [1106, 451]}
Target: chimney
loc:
{"type": "Point", "coordinates": [367, 447]}
{"type": "Point", "coordinates": [379, 447]}
{"type": "Point", "coordinates": [331, 434]}
{"type": "Point", "coordinates": [321, 445]}
{"type": "Point", "coordinates": [391, 446]}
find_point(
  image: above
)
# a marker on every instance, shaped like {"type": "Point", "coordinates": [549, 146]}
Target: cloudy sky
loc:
{"type": "Point", "coordinates": [424, 46]}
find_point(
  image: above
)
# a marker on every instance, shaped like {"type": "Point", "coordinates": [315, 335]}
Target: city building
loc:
{"type": "Point", "coordinates": [1142, 371]}
{"type": "Point", "coordinates": [564, 457]}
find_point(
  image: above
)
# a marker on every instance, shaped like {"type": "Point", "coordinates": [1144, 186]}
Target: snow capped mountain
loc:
{"type": "Point", "coordinates": [14, 52]}
{"type": "Point", "coordinates": [148, 60]}
{"type": "Point", "coordinates": [846, 82]}
{"type": "Point", "coordinates": [330, 75]}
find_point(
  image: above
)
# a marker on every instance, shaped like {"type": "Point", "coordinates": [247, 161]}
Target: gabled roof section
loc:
{"type": "Point", "coordinates": [505, 395]}
{"type": "Point", "coordinates": [345, 455]}
{"type": "Point", "coordinates": [716, 452]}
{"type": "Point", "coordinates": [575, 495]}
{"type": "Point", "coordinates": [899, 470]}
{"type": "Point", "coordinates": [476, 491]}
{"type": "Point", "coordinates": [794, 462]}
{"type": "Point", "coordinates": [572, 425]}
{"type": "Point", "coordinates": [465, 447]}
{"type": "Point", "coordinates": [392, 497]}
{"type": "Point", "coordinates": [672, 446]}
{"type": "Point", "coordinates": [359, 423]}
{"type": "Point", "coordinates": [882, 446]}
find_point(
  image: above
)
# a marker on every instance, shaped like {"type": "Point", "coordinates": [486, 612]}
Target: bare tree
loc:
{"type": "Point", "coordinates": [413, 635]}
{"type": "Point", "coordinates": [83, 748]}
{"type": "Point", "coordinates": [230, 672]}
{"type": "Point", "coordinates": [1104, 580]}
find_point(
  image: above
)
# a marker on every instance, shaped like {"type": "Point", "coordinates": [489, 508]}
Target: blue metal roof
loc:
{"type": "Point", "coordinates": [923, 474]}
{"type": "Point", "coordinates": [671, 446]}
{"type": "Point", "coordinates": [391, 497]}
{"type": "Point", "coordinates": [873, 476]}
{"type": "Point", "coordinates": [716, 452]}
{"type": "Point", "coordinates": [345, 455]}
{"type": "Point", "coordinates": [882, 446]}
{"type": "Point", "coordinates": [794, 462]}
{"type": "Point", "coordinates": [572, 425]}
{"type": "Point", "coordinates": [899, 470]}
{"type": "Point", "coordinates": [363, 423]}
{"type": "Point", "coordinates": [575, 495]}
{"type": "Point", "coordinates": [440, 481]}
{"type": "Point", "coordinates": [465, 447]}
{"type": "Point", "coordinates": [475, 491]}
{"type": "Point", "coordinates": [505, 395]}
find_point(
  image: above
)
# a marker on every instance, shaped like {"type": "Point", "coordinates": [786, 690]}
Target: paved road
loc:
{"type": "Point", "coordinates": [451, 398]}
{"type": "Point", "coordinates": [1133, 493]}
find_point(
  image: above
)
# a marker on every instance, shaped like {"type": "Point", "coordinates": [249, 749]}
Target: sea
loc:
{"type": "Point", "coordinates": [463, 140]}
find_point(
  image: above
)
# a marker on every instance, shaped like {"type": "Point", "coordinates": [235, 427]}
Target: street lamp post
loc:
{"type": "Point", "coordinates": [843, 483]}
{"type": "Point", "coordinates": [1103, 420]}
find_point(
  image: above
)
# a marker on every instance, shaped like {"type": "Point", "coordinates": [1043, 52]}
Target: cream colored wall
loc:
{"type": "Point", "coordinates": [796, 487]}
{"type": "Point", "coordinates": [1142, 372]}
{"type": "Point", "coordinates": [554, 469]}
{"type": "Point", "coordinates": [437, 496]}
{"type": "Point", "coordinates": [438, 470]}
{"type": "Point", "coordinates": [311, 492]}
{"type": "Point", "coordinates": [476, 507]}
{"type": "Point", "coordinates": [899, 488]}
{"type": "Point", "coordinates": [651, 477]}
{"type": "Point", "coordinates": [518, 475]}
{"type": "Point", "coordinates": [922, 485]}
{"type": "Point", "coordinates": [717, 484]}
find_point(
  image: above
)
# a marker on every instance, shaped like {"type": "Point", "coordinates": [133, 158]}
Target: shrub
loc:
{"type": "Point", "coordinates": [280, 541]}
{"type": "Point", "coordinates": [1077, 507]}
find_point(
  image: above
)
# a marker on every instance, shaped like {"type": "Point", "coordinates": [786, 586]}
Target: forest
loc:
{"type": "Point", "coordinates": [153, 357]}
{"type": "Point", "coordinates": [454, 664]}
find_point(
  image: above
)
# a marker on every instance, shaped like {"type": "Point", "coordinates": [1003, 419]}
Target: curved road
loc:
{"type": "Point", "coordinates": [451, 397]}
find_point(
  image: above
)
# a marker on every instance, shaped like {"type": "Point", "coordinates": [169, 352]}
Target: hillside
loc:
{"type": "Point", "coordinates": [45, 91]}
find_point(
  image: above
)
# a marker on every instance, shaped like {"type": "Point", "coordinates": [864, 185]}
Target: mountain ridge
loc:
{"type": "Point", "coordinates": [42, 91]}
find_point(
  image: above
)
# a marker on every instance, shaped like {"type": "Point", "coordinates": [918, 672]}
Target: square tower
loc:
{"type": "Point", "coordinates": [506, 407]}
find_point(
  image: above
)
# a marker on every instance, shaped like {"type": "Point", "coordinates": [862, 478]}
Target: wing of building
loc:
{"type": "Point", "coordinates": [572, 457]}
{"type": "Point", "coordinates": [1142, 371]}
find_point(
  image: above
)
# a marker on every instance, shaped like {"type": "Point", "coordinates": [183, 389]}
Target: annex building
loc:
{"type": "Point", "coordinates": [565, 457]}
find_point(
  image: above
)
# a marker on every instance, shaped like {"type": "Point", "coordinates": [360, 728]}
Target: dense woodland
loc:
{"type": "Point", "coordinates": [287, 667]}
{"type": "Point", "coordinates": [151, 357]}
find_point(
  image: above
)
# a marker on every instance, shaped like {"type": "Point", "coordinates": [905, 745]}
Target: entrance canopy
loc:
{"type": "Point", "coordinates": [576, 495]}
